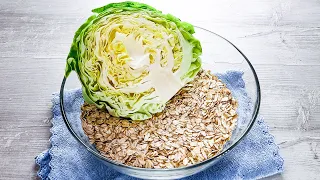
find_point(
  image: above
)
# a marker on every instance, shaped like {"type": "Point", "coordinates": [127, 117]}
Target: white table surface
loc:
{"type": "Point", "coordinates": [280, 37]}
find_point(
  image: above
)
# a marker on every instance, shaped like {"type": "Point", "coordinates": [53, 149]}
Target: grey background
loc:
{"type": "Point", "coordinates": [280, 37]}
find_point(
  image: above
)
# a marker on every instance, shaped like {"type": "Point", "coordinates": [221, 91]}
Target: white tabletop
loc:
{"type": "Point", "coordinates": [280, 37]}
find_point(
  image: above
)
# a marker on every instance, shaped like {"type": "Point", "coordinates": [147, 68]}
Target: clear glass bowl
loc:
{"type": "Point", "coordinates": [219, 55]}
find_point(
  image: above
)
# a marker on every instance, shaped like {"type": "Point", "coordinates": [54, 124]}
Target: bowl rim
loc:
{"type": "Point", "coordinates": [101, 157]}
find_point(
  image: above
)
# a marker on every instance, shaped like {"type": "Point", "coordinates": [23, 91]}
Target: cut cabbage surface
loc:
{"type": "Point", "coordinates": [131, 59]}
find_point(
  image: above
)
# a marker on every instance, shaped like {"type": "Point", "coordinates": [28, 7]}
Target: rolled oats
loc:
{"type": "Point", "coordinates": [193, 127]}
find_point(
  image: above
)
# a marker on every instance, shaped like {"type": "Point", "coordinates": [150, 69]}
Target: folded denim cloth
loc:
{"type": "Point", "coordinates": [256, 156]}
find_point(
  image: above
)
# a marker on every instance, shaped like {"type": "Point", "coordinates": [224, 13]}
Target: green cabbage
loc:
{"type": "Point", "coordinates": [131, 59]}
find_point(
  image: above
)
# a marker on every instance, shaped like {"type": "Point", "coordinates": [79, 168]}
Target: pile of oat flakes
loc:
{"type": "Point", "coordinates": [194, 126]}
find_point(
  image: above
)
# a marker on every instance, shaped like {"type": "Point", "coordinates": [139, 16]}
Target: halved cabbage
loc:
{"type": "Point", "coordinates": [131, 59]}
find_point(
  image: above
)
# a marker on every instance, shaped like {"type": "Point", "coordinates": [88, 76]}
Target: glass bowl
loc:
{"type": "Point", "coordinates": [220, 56]}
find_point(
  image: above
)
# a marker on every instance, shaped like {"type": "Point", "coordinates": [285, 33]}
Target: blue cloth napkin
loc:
{"type": "Point", "coordinates": [256, 156]}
